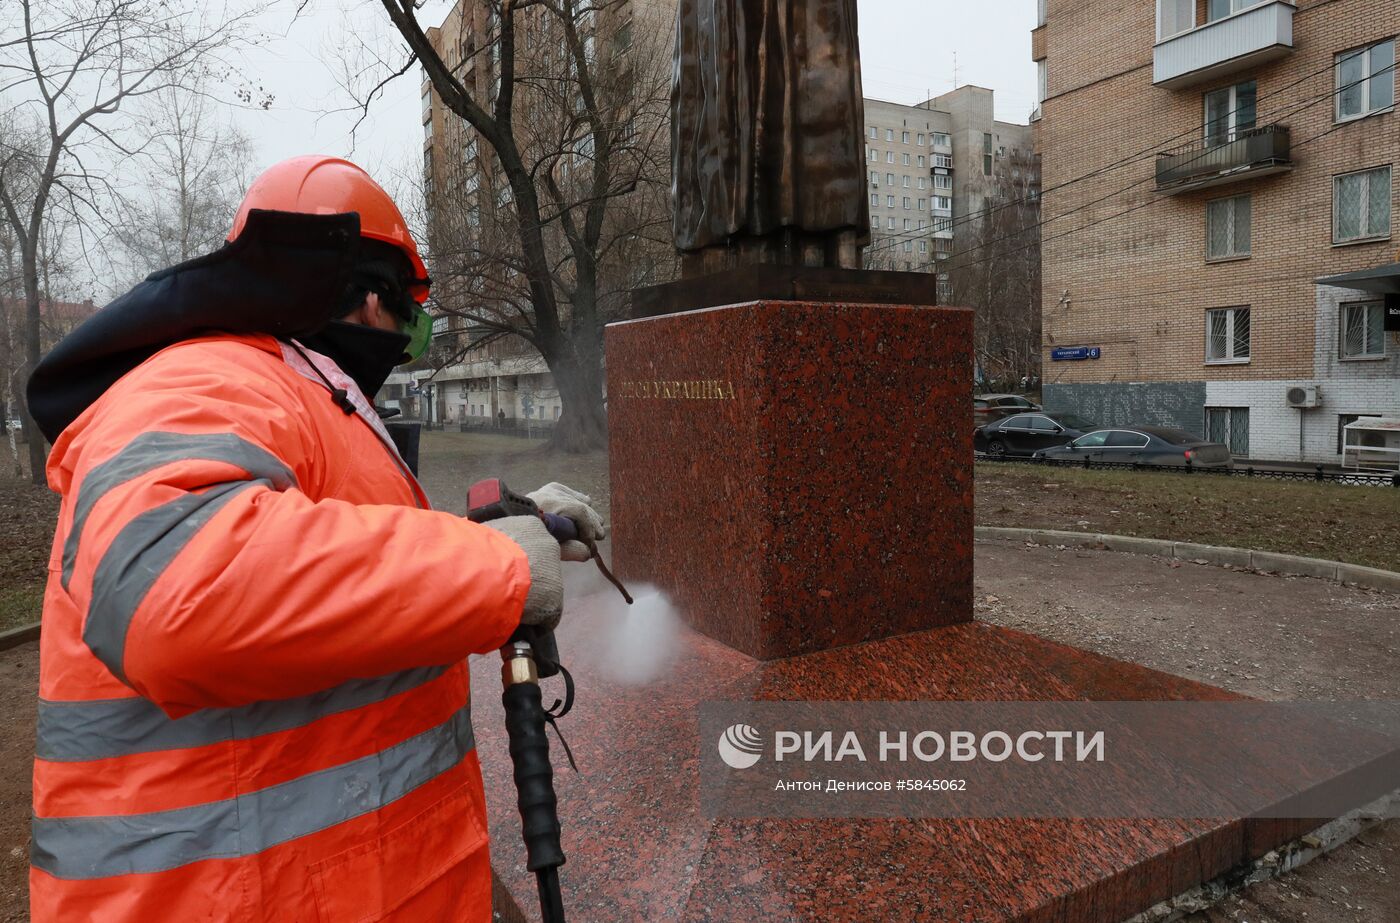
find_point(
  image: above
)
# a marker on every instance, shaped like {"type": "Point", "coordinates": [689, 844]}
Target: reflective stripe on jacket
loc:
{"type": "Point", "coordinates": [253, 688]}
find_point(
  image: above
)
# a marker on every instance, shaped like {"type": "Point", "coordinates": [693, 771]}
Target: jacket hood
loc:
{"type": "Point", "coordinates": [284, 276]}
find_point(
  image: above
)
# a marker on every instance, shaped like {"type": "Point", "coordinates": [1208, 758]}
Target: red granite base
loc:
{"type": "Point", "coordinates": [639, 848]}
{"type": "Point", "coordinates": [798, 476]}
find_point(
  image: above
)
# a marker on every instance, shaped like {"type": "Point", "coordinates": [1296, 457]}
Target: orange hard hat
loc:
{"type": "Point", "coordinates": [314, 184]}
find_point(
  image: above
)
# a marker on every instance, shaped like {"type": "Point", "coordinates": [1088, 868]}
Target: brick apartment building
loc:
{"type": "Point", "coordinates": [1204, 164]}
{"type": "Point", "coordinates": [476, 376]}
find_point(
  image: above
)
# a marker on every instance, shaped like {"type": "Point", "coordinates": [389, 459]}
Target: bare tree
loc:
{"type": "Point", "coordinates": [995, 270]}
{"type": "Point", "coordinates": [196, 166]}
{"type": "Point", "coordinates": [566, 103]}
{"type": "Point", "coordinates": [74, 67]}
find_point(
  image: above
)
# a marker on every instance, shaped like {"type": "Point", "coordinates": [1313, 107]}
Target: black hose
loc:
{"type": "Point", "coordinates": [534, 785]}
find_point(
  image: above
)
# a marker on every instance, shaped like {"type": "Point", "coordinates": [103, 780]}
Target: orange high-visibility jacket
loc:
{"type": "Point", "coordinates": [253, 689]}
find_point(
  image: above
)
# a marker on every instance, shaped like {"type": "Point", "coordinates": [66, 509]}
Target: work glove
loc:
{"type": "Point", "coordinates": [565, 501]}
{"type": "Point", "coordinates": [545, 601]}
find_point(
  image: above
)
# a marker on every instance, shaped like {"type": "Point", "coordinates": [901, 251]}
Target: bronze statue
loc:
{"type": "Point", "coordinates": [767, 132]}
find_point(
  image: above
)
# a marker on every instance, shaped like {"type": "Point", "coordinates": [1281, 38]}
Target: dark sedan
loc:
{"type": "Point", "coordinates": [1027, 433]}
{"type": "Point", "coordinates": [1145, 445]}
{"type": "Point", "coordinates": [989, 407]}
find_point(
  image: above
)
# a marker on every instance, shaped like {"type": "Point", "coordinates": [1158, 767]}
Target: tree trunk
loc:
{"type": "Point", "coordinates": [38, 454]}
{"type": "Point", "coordinates": [583, 422]}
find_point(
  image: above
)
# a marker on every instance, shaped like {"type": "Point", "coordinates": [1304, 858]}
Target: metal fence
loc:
{"type": "Point", "coordinates": [1318, 473]}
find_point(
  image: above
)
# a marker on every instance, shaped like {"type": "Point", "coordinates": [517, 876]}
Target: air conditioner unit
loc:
{"type": "Point", "coordinates": [1303, 396]}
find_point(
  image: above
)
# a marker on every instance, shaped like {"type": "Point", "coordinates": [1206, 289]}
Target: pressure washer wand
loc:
{"type": "Point", "coordinates": [526, 719]}
{"type": "Point", "coordinates": [529, 655]}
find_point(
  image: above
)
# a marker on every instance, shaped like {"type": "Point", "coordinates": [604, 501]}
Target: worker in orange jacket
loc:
{"type": "Point", "coordinates": [253, 684]}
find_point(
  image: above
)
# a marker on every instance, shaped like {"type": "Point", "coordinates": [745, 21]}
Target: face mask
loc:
{"type": "Point", "coordinates": [419, 331]}
{"type": "Point", "coordinates": [366, 354]}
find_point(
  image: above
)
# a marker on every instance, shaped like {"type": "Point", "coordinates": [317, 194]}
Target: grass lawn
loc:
{"type": "Point", "coordinates": [1358, 525]}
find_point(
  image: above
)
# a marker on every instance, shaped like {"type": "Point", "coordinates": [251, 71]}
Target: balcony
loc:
{"type": "Point", "coordinates": [1224, 46]}
{"type": "Point", "coordinates": [1253, 153]}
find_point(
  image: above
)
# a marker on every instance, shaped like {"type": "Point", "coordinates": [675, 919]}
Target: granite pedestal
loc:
{"type": "Point", "coordinates": [798, 477]}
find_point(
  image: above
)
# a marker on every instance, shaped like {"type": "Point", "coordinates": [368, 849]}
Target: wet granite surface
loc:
{"type": "Point", "coordinates": [798, 476]}
{"type": "Point", "coordinates": [639, 847]}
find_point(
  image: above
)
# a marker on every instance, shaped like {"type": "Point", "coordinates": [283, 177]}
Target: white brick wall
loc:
{"type": "Point", "coordinates": [1274, 426]}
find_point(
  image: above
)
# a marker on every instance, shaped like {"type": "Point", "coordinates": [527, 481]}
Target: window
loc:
{"type": "Point", "coordinates": [875, 222]}
{"type": "Point", "coordinates": [1361, 206]}
{"type": "Point", "coordinates": [889, 156]}
{"type": "Point", "coordinates": [889, 179]}
{"type": "Point", "coordinates": [427, 104]}
{"type": "Point", "coordinates": [874, 200]}
{"type": "Point", "coordinates": [908, 224]}
{"type": "Point", "coordinates": [889, 201]}
{"type": "Point", "coordinates": [986, 154]}
{"type": "Point", "coordinates": [1230, 427]}
{"type": "Point", "coordinates": [1219, 9]}
{"type": "Point", "coordinates": [923, 162]}
{"type": "Point", "coordinates": [943, 201]}
{"type": "Point", "coordinates": [889, 134]}
{"type": "Point", "coordinates": [890, 226]}
{"type": "Point", "coordinates": [904, 137]}
{"type": "Point", "coordinates": [942, 181]}
{"type": "Point", "coordinates": [943, 160]}
{"type": "Point", "coordinates": [1230, 111]}
{"type": "Point", "coordinates": [874, 133]}
{"type": "Point", "coordinates": [1044, 424]}
{"type": "Point", "coordinates": [942, 139]}
{"type": "Point", "coordinates": [908, 246]}
{"type": "Point", "coordinates": [428, 131]}
{"type": "Point", "coordinates": [921, 184]}
{"type": "Point", "coordinates": [923, 246]}
{"type": "Point", "coordinates": [1227, 335]}
{"type": "Point", "coordinates": [921, 204]}
{"type": "Point", "coordinates": [1123, 439]}
{"type": "Point", "coordinates": [1227, 228]}
{"type": "Point", "coordinates": [1042, 81]}
{"type": "Point", "coordinates": [905, 182]}
{"type": "Point", "coordinates": [874, 155]}
{"type": "Point", "coordinates": [907, 203]}
{"type": "Point", "coordinates": [1366, 80]}
{"type": "Point", "coordinates": [875, 179]}
{"type": "Point", "coordinates": [1091, 440]}
{"type": "Point", "coordinates": [1040, 13]}
{"type": "Point", "coordinates": [923, 225]}
{"type": "Point", "coordinates": [905, 160]}
{"type": "Point", "coordinates": [921, 139]}
{"type": "Point", "coordinates": [1363, 330]}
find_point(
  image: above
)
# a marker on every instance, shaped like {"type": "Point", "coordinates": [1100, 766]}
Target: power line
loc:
{"type": "Point", "coordinates": [1155, 148]}
{"type": "Point", "coordinates": [1134, 208]}
{"type": "Point", "coordinates": [1307, 104]}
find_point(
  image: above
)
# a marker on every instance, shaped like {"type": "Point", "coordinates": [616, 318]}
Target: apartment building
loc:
{"type": "Point", "coordinates": [1210, 167]}
{"type": "Point", "coordinates": [933, 167]}
{"type": "Point", "coordinates": [476, 374]}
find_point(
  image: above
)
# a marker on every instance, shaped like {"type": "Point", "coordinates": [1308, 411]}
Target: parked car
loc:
{"type": "Point", "coordinates": [989, 407]}
{"type": "Point", "coordinates": [1026, 433]}
{"type": "Point", "coordinates": [1147, 445]}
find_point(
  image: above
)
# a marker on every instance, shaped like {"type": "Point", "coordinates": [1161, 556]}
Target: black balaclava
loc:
{"type": "Point", "coordinates": [367, 354]}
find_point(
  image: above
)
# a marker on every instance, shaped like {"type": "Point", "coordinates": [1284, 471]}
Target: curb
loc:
{"type": "Point", "coordinates": [1243, 558]}
{"type": "Point", "coordinates": [17, 636]}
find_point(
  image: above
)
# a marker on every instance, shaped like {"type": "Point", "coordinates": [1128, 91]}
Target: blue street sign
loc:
{"type": "Point", "coordinates": [1074, 353]}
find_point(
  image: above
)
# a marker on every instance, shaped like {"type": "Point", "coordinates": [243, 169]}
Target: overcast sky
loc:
{"type": "Point", "coordinates": [908, 50]}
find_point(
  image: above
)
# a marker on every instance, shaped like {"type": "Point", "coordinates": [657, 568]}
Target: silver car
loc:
{"type": "Point", "coordinates": [1144, 445]}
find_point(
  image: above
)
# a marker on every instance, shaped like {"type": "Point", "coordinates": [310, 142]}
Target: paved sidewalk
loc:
{"type": "Point", "coordinates": [1265, 636]}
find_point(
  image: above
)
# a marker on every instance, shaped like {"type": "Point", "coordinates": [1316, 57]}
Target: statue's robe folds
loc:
{"type": "Point", "coordinates": [767, 114]}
